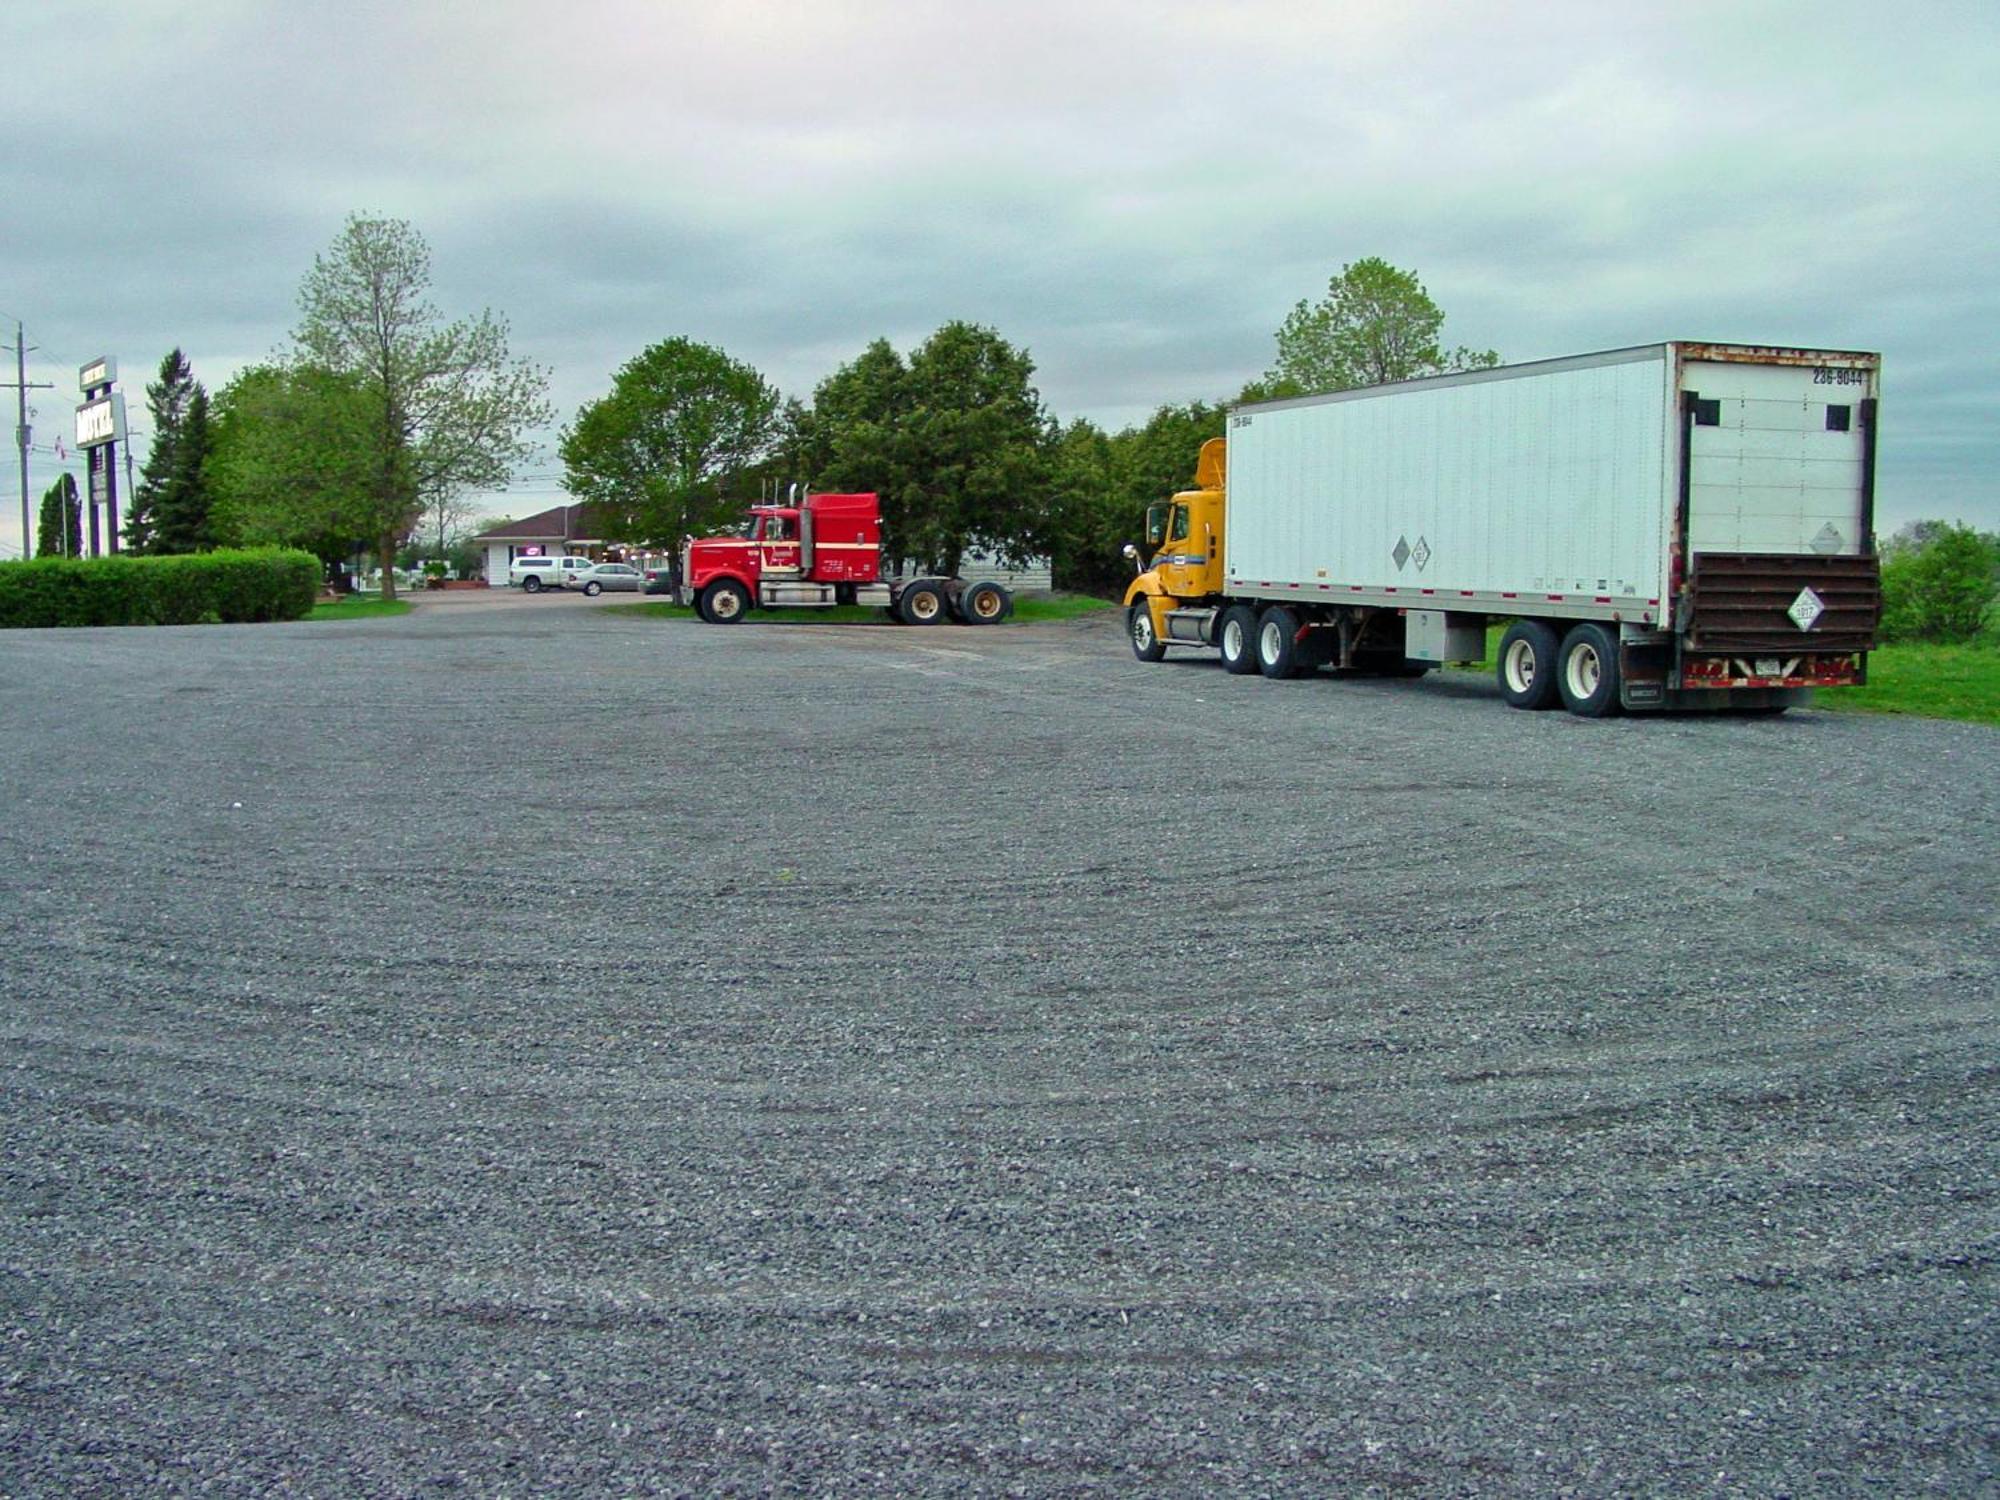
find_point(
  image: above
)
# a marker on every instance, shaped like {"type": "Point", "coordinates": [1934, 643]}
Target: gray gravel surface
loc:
{"type": "Point", "coordinates": [527, 1046]}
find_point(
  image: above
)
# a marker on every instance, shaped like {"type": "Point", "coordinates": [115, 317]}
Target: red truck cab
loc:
{"type": "Point", "coordinates": [826, 550]}
{"type": "Point", "coordinates": [811, 553]}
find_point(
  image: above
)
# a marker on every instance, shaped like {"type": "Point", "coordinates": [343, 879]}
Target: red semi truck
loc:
{"type": "Point", "coordinates": [826, 550]}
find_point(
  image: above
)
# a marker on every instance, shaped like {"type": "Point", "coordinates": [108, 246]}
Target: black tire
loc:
{"type": "Point", "coordinates": [1146, 642]}
{"type": "Point", "coordinates": [984, 604]}
{"type": "Point", "coordinates": [592, 589]}
{"type": "Point", "coordinates": [922, 604]}
{"type": "Point", "coordinates": [1278, 654]}
{"type": "Point", "coordinates": [531, 584]}
{"type": "Point", "coordinates": [1236, 637]}
{"type": "Point", "coordinates": [724, 602]}
{"type": "Point", "coordinates": [1527, 665]}
{"type": "Point", "coordinates": [1587, 673]}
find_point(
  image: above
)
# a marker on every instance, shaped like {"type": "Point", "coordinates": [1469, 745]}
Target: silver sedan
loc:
{"type": "Point", "coordinates": [594, 581]}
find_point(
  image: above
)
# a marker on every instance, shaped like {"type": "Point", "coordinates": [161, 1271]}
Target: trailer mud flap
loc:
{"type": "Point", "coordinates": [1642, 675]}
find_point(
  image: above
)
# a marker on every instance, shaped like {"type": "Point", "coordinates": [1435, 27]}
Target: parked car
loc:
{"type": "Point", "coordinates": [533, 574]}
{"type": "Point", "coordinates": [594, 581]}
{"type": "Point", "coordinates": [664, 579]}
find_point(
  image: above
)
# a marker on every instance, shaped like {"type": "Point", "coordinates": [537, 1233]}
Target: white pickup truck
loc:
{"type": "Point", "coordinates": [533, 574]}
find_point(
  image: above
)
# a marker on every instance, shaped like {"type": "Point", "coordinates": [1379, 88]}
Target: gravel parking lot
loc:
{"type": "Point", "coordinates": [526, 1045]}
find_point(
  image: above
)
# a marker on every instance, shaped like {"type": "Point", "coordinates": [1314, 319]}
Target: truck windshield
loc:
{"type": "Point", "coordinates": [1156, 525]}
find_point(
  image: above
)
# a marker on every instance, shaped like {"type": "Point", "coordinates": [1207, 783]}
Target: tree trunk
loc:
{"type": "Point", "coordinates": [388, 553]}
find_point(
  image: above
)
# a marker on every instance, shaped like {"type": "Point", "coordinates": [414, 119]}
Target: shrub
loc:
{"type": "Point", "coordinates": [1938, 589]}
{"type": "Point", "coordinates": [199, 588]}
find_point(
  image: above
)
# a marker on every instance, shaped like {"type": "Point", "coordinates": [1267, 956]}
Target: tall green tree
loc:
{"type": "Point", "coordinates": [1086, 525]}
{"type": "Point", "coordinates": [1375, 324]}
{"type": "Point", "coordinates": [59, 527]}
{"type": "Point", "coordinates": [956, 443]}
{"type": "Point", "coordinates": [1103, 485]}
{"type": "Point", "coordinates": [664, 453]}
{"type": "Point", "coordinates": [450, 406]}
{"type": "Point", "coordinates": [293, 461]}
{"type": "Point", "coordinates": [169, 508]}
{"type": "Point", "coordinates": [181, 511]}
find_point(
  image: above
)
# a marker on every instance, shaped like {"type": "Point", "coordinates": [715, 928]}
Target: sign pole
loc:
{"type": "Point", "coordinates": [100, 432]}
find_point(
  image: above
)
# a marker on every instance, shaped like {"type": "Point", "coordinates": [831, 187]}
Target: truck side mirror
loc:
{"type": "Point", "coordinates": [1132, 553]}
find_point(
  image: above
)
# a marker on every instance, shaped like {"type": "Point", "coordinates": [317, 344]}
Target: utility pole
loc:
{"type": "Point", "coordinates": [22, 437]}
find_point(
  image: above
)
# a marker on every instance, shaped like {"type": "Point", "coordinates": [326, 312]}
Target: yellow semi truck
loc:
{"type": "Point", "coordinates": [1679, 525]}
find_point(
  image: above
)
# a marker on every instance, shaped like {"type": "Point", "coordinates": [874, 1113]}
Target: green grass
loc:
{"type": "Point", "coordinates": [359, 607]}
{"type": "Point", "coordinates": [1031, 609]}
{"type": "Point", "coordinates": [1930, 682]}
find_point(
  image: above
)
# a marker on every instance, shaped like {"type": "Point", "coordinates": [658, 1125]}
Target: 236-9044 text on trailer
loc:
{"type": "Point", "coordinates": [1680, 525]}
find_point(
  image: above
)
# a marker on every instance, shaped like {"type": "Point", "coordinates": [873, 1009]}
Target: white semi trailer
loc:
{"type": "Point", "coordinates": [1677, 525]}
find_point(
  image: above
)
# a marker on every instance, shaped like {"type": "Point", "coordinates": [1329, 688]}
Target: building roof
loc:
{"type": "Point", "coordinates": [580, 522]}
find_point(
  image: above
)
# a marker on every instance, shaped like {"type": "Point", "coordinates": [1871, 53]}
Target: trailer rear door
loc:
{"type": "Point", "coordinates": [1778, 501]}
{"type": "Point", "coordinates": [1780, 454]}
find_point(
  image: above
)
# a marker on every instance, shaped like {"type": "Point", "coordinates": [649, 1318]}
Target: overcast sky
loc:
{"type": "Point", "coordinates": [1137, 191]}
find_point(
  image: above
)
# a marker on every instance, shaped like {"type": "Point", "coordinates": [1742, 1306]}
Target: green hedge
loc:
{"type": "Point", "coordinates": [203, 588]}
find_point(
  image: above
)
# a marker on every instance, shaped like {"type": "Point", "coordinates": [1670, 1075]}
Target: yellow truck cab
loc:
{"type": "Point", "coordinates": [1185, 534]}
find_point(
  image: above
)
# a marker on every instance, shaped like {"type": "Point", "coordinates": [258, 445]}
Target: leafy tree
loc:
{"type": "Point", "coordinates": [1375, 324]}
{"type": "Point", "coordinates": [847, 439]}
{"type": "Point", "coordinates": [956, 443]}
{"type": "Point", "coordinates": [293, 460]}
{"type": "Point", "coordinates": [1937, 583]}
{"type": "Point", "coordinates": [445, 522]}
{"type": "Point", "coordinates": [1087, 525]}
{"type": "Point", "coordinates": [169, 509]}
{"type": "Point", "coordinates": [59, 528]}
{"type": "Point", "coordinates": [449, 405]}
{"type": "Point", "coordinates": [661, 454]}
{"type": "Point", "coordinates": [1104, 484]}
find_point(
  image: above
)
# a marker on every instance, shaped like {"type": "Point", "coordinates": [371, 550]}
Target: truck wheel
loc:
{"type": "Point", "coordinates": [1236, 635]}
{"type": "Point", "coordinates": [922, 604]}
{"type": "Point", "coordinates": [1146, 642]}
{"type": "Point", "coordinates": [984, 603]}
{"type": "Point", "coordinates": [531, 585]}
{"type": "Point", "coordinates": [1527, 666]}
{"type": "Point", "coordinates": [1588, 675]}
{"type": "Point", "coordinates": [1277, 643]}
{"type": "Point", "coordinates": [723, 602]}
{"type": "Point", "coordinates": [592, 589]}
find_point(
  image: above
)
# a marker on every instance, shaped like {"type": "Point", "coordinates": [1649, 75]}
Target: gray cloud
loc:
{"type": "Point", "coordinates": [1136, 192]}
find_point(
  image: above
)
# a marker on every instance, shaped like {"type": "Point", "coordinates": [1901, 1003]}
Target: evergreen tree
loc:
{"type": "Point", "coordinates": [167, 405]}
{"type": "Point", "coordinates": [61, 508]}
{"type": "Point", "coordinates": [181, 513]}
